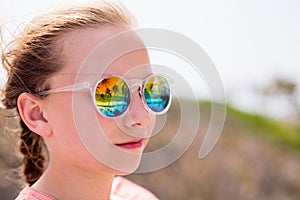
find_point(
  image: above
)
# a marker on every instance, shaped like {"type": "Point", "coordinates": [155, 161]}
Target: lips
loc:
{"type": "Point", "coordinates": [131, 145]}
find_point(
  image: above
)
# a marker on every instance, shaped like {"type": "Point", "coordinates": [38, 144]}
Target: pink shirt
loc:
{"type": "Point", "coordinates": [122, 189]}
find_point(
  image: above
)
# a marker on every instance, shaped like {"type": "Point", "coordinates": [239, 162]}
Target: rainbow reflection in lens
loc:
{"type": "Point", "coordinates": [157, 93]}
{"type": "Point", "coordinates": [112, 96]}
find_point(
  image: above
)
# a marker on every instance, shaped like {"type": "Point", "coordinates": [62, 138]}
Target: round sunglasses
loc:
{"type": "Point", "coordinates": [112, 93]}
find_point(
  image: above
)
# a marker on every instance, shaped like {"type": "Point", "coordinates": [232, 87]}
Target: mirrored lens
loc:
{"type": "Point", "coordinates": [157, 93]}
{"type": "Point", "coordinates": [112, 96]}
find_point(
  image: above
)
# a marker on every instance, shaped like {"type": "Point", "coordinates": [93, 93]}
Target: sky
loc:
{"type": "Point", "coordinates": [249, 41]}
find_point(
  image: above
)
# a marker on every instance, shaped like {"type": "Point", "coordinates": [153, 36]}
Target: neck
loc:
{"type": "Point", "coordinates": [76, 183]}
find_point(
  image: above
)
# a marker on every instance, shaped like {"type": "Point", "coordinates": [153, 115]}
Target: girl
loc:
{"type": "Point", "coordinates": [43, 65]}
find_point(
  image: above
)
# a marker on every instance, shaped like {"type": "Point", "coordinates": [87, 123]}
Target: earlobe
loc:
{"type": "Point", "coordinates": [31, 112]}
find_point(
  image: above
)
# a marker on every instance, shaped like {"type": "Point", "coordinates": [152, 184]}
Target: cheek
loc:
{"type": "Point", "coordinates": [60, 112]}
{"type": "Point", "coordinates": [60, 117]}
{"type": "Point", "coordinates": [108, 127]}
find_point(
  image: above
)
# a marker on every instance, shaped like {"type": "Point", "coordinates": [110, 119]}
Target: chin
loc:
{"type": "Point", "coordinates": [127, 169]}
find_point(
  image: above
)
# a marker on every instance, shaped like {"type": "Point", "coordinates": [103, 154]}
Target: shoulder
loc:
{"type": "Point", "coordinates": [30, 194]}
{"type": "Point", "coordinates": [124, 189]}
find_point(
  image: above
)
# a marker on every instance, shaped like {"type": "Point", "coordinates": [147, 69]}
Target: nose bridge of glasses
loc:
{"type": "Point", "coordinates": [135, 84]}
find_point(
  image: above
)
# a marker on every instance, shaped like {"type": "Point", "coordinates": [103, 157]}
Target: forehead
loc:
{"type": "Point", "coordinates": [86, 46]}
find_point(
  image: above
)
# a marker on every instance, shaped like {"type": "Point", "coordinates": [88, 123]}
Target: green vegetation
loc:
{"type": "Point", "coordinates": [277, 131]}
{"type": "Point", "coordinates": [281, 132]}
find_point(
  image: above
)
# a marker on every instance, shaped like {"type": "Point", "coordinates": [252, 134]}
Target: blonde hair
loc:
{"type": "Point", "coordinates": [35, 55]}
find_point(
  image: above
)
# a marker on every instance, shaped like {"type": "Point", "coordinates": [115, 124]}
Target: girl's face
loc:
{"type": "Point", "coordinates": [64, 144]}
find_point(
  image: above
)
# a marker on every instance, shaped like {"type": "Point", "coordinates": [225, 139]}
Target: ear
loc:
{"type": "Point", "coordinates": [31, 112]}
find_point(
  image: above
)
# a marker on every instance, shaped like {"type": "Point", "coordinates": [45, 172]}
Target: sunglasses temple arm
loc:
{"type": "Point", "coordinates": [76, 87]}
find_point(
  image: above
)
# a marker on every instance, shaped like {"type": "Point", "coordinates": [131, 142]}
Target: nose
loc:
{"type": "Point", "coordinates": [137, 115]}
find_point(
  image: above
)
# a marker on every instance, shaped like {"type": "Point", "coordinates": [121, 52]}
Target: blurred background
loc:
{"type": "Point", "coordinates": [255, 46]}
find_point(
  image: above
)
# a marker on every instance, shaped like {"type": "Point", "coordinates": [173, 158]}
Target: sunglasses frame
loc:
{"type": "Point", "coordinates": [131, 83]}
